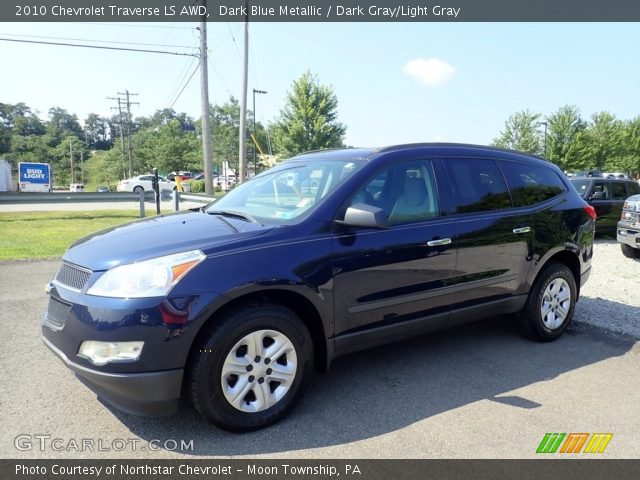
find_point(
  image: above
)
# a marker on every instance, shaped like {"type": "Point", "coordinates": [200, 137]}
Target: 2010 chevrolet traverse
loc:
{"type": "Point", "coordinates": [329, 252]}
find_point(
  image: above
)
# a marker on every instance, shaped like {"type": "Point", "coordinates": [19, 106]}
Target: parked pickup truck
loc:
{"type": "Point", "coordinates": [629, 227]}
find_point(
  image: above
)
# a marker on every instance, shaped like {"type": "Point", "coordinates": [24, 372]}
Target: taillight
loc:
{"type": "Point", "coordinates": [590, 211]}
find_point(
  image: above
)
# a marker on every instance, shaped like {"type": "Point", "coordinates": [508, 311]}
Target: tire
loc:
{"type": "Point", "coordinates": [554, 292]}
{"type": "Point", "coordinates": [629, 251]}
{"type": "Point", "coordinates": [138, 189]}
{"type": "Point", "coordinates": [230, 381]}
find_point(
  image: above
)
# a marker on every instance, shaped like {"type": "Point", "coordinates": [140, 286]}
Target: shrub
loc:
{"type": "Point", "coordinates": [197, 186]}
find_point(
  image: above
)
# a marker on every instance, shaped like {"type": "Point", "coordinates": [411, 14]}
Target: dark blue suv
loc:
{"type": "Point", "coordinates": [234, 304]}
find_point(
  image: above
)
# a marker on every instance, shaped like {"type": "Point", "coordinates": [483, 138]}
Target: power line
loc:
{"type": "Point", "coordinates": [96, 41]}
{"type": "Point", "coordinates": [183, 74]}
{"type": "Point", "coordinates": [132, 25]}
{"type": "Point", "coordinates": [233, 38]}
{"type": "Point", "coordinates": [98, 47]}
{"type": "Point", "coordinates": [184, 86]}
{"type": "Point", "coordinates": [220, 77]}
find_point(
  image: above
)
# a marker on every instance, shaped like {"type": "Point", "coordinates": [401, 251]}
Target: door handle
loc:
{"type": "Point", "coordinates": [522, 230]}
{"type": "Point", "coordinates": [441, 241]}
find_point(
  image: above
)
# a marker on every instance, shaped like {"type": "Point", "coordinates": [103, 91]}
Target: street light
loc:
{"type": "Point", "coordinates": [255, 157]}
{"type": "Point", "coordinates": [545, 137]}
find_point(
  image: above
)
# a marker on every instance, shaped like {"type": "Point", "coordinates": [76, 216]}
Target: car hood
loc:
{"type": "Point", "coordinates": [158, 236]}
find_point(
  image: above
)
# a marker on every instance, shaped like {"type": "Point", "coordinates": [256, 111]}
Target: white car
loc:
{"type": "Point", "coordinates": [224, 182]}
{"type": "Point", "coordinates": [143, 183]}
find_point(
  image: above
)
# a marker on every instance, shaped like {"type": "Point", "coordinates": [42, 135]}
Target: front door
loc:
{"type": "Point", "coordinates": [384, 278]}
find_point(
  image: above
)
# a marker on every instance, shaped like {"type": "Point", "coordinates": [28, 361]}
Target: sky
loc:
{"type": "Point", "coordinates": [395, 82]}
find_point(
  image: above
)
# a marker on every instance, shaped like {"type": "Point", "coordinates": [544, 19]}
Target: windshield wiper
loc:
{"type": "Point", "coordinates": [229, 213]}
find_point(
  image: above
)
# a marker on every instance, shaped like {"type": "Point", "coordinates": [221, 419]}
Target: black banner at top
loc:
{"type": "Point", "coordinates": [320, 10]}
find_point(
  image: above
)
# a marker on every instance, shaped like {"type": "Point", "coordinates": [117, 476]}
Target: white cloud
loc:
{"type": "Point", "coordinates": [430, 71]}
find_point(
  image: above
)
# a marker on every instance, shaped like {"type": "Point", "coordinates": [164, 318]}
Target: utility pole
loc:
{"type": "Point", "coordinates": [73, 177]}
{"type": "Point", "coordinates": [242, 157]}
{"type": "Point", "coordinates": [204, 104]}
{"type": "Point", "coordinates": [128, 104]}
{"type": "Point", "coordinates": [82, 166]}
{"type": "Point", "coordinates": [255, 138]}
{"type": "Point", "coordinates": [121, 121]}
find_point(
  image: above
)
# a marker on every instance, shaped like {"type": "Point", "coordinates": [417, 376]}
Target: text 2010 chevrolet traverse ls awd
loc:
{"type": "Point", "coordinates": [329, 252]}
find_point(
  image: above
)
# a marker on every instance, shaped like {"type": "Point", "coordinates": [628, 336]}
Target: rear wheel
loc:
{"type": "Point", "coordinates": [629, 251]}
{"type": "Point", "coordinates": [251, 367]}
{"type": "Point", "coordinates": [550, 305]}
{"type": "Point", "coordinates": [138, 189]}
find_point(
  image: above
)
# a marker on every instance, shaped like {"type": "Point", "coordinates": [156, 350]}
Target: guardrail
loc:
{"type": "Point", "coordinates": [89, 197]}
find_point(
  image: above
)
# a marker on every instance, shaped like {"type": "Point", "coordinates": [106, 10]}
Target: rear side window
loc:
{"type": "Point", "coordinates": [632, 188]}
{"type": "Point", "coordinates": [531, 184]}
{"type": "Point", "coordinates": [477, 185]}
{"type": "Point", "coordinates": [618, 191]}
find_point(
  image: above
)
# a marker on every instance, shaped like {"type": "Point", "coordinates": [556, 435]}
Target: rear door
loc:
{"type": "Point", "coordinates": [604, 204]}
{"type": "Point", "coordinates": [493, 238]}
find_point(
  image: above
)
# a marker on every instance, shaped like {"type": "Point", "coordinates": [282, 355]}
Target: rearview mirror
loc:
{"type": "Point", "coordinates": [366, 216]}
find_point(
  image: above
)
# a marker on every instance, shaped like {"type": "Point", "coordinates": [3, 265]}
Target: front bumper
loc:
{"type": "Point", "coordinates": [629, 235]}
{"type": "Point", "coordinates": [146, 394]}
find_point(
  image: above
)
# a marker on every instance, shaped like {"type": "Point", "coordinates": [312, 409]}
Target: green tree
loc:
{"type": "Point", "coordinates": [225, 132]}
{"type": "Point", "coordinates": [564, 127]}
{"type": "Point", "coordinates": [167, 147]}
{"type": "Point", "coordinates": [600, 143]}
{"type": "Point", "coordinates": [308, 120]}
{"type": "Point", "coordinates": [522, 132]}
{"type": "Point", "coordinates": [61, 124]}
{"type": "Point", "coordinates": [97, 132]}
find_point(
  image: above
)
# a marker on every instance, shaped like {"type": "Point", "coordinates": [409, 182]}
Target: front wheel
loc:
{"type": "Point", "coordinates": [550, 305]}
{"type": "Point", "coordinates": [138, 189]}
{"type": "Point", "coordinates": [251, 367]}
{"type": "Point", "coordinates": [629, 251]}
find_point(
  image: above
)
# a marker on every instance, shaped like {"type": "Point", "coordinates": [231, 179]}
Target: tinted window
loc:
{"type": "Point", "coordinates": [604, 187]}
{"type": "Point", "coordinates": [531, 184]}
{"type": "Point", "coordinates": [406, 192]}
{"type": "Point", "coordinates": [477, 185]}
{"type": "Point", "coordinates": [633, 188]}
{"type": "Point", "coordinates": [618, 192]}
{"type": "Point", "coordinates": [581, 186]}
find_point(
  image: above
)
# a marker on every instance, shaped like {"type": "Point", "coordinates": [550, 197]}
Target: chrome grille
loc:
{"type": "Point", "coordinates": [57, 313]}
{"type": "Point", "coordinates": [73, 276]}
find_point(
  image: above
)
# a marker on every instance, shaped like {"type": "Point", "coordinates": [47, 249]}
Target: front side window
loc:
{"type": "Point", "coordinates": [286, 192]}
{"type": "Point", "coordinates": [601, 191]}
{"type": "Point", "coordinates": [581, 186]}
{"type": "Point", "coordinates": [406, 192]}
{"type": "Point", "coordinates": [530, 184]}
{"type": "Point", "coordinates": [477, 185]}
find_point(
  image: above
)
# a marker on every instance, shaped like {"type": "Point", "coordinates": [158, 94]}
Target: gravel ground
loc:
{"type": "Point", "coordinates": [611, 297]}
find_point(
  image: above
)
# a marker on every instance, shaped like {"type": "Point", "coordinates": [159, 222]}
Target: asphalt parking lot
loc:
{"type": "Point", "coordinates": [478, 391]}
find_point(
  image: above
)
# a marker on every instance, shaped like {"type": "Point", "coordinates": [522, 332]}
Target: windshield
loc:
{"type": "Point", "coordinates": [286, 192]}
{"type": "Point", "coordinates": [581, 186]}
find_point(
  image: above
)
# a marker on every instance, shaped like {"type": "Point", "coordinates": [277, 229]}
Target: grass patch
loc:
{"type": "Point", "coordinates": [40, 235]}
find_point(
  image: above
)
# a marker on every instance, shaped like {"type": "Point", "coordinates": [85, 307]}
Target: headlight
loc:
{"type": "Point", "coordinates": [151, 278]}
{"type": "Point", "coordinates": [101, 353]}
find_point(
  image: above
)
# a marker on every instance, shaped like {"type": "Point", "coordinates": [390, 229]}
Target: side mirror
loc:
{"type": "Point", "coordinates": [366, 216]}
{"type": "Point", "coordinates": [597, 196]}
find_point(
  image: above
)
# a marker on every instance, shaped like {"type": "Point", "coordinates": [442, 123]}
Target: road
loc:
{"type": "Point", "coordinates": [166, 206]}
{"type": "Point", "coordinates": [477, 391]}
